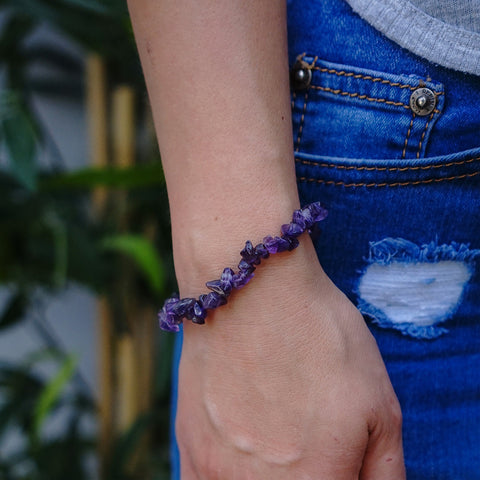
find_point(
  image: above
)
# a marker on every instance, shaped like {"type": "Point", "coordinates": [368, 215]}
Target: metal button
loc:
{"type": "Point", "coordinates": [423, 101]}
{"type": "Point", "coordinates": [301, 75]}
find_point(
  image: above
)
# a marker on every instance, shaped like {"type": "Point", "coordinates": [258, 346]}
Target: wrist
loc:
{"type": "Point", "coordinates": [176, 309]}
{"type": "Point", "coordinates": [204, 246]}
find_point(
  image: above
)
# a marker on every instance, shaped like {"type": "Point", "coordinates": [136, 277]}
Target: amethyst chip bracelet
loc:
{"type": "Point", "coordinates": [175, 309]}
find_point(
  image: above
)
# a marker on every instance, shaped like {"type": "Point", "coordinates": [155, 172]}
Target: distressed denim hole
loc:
{"type": "Point", "coordinates": [414, 288]}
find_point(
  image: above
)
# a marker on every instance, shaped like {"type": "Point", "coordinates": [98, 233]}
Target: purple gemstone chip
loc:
{"type": "Point", "coordinates": [313, 213]}
{"type": "Point", "coordinates": [249, 254]}
{"type": "Point", "coordinates": [199, 313]}
{"type": "Point", "coordinates": [215, 286]}
{"type": "Point", "coordinates": [262, 251]}
{"type": "Point", "coordinates": [292, 230]}
{"type": "Point", "coordinates": [276, 244]}
{"type": "Point", "coordinates": [227, 280]}
{"type": "Point", "coordinates": [293, 243]}
{"type": "Point", "coordinates": [182, 307]}
{"type": "Point", "coordinates": [319, 213]}
{"type": "Point", "coordinates": [167, 322]}
{"type": "Point", "coordinates": [299, 219]}
{"type": "Point", "coordinates": [242, 278]}
{"type": "Point", "coordinates": [213, 300]}
{"type": "Point", "coordinates": [245, 267]}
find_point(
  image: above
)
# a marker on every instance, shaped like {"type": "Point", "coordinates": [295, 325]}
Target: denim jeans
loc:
{"type": "Point", "coordinates": [402, 240]}
{"type": "Point", "coordinates": [391, 145]}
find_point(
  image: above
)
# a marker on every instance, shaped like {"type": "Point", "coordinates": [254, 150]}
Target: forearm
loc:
{"type": "Point", "coordinates": [217, 77]}
{"type": "Point", "coordinates": [265, 388]}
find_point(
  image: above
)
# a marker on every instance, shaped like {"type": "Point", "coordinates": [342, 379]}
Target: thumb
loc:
{"type": "Point", "coordinates": [383, 458]}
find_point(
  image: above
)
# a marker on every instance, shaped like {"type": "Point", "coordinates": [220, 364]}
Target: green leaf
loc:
{"type": "Point", "coordinates": [14, 310]}
{"type": "Point", "coordinates": [59, 233]}
{"type": "Point", "coordinates": [13, 33]}
{"type": "Point", "coordinates": [45, 354]}
{"type": "Point", "coordinates": [98, 25]}
{"type": "Point", "coordinates": [163, 366]}
{"type": "Point", "coordinates": [62, 456]}
{"type": "Point", "coordinates": [52, 392]}
{"type": "Point", "coordinates": [104, 6]}
{"type": "Point", "coordinates": [126, 446]}
{"type": "Point", "coordinates": [132, 177]}
{"type": "Point", "coordinates": [144, 255]}
{"type": "Point", "coordinates": [20, 388]}
{"type": "Point", "coordinates": [18, 133]}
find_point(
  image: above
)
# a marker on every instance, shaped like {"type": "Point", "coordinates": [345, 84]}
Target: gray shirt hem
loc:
{"type": "Point", "coordinates": [426, 36]}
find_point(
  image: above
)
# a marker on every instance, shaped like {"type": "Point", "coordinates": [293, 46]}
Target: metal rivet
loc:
{"type": "Point", "coordinates": [423, 101]}
{"type": "Point", "coordinates": [301, 75]}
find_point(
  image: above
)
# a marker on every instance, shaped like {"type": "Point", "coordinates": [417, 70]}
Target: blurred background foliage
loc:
{"type": "Point", "coordinates": [52, 234]}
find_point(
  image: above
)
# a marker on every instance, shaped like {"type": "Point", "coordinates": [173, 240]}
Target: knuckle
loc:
{"type": "Point", "coordinates": [204, 465]}
{"type": "Point", "coordinates": [387, 418]}
{"type": "Point", "coordinates": [396, 417]}
{"type": "Point", "coordinates": [200, 455]}
{"type": "Point", "coordinates": [208, 468]}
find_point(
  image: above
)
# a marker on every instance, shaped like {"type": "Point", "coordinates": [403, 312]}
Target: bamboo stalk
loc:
{"type": "Point", "coordinates": [127, 382]}
{"type": "Point", "coordinates": [146, 333]}
{"type": "Point", "coordinates": [123, 147]}
{"type": "Point", "coordinates": [96, 104]}
{"type": "Point", "coordinates": [145, 344]}
{"type": "Point", "coordinates": [97, 121]}
{"type": "Point", "coordinates": [106, 381]}
{"type": "Point", "coordinates": [135, 360]}
{"type": "Point", "coordinates": [123, 126]}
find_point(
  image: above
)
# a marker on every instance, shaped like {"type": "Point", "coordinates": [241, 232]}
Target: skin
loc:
{"type": "Point", "coordinates": [285, 381]}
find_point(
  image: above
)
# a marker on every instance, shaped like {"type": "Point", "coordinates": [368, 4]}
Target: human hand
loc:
{"type": "Point", "coordinates": [291, 386]}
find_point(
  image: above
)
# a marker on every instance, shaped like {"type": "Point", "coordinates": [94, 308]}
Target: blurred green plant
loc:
{"type": "Point", "coordinates": [49, 238]}
{"type": "Point", "coordinates": [30, 400]}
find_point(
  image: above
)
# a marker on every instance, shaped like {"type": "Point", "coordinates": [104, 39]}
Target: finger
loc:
{"type": "Point", "coordinates": [384, 455]}
{"type": "Point", "coordinates": [388, 465]}
{"type": "Point", "coordinates": [188, 471]}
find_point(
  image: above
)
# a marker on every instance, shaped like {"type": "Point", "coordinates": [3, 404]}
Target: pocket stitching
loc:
{"type": "Point", "coordinates": [404, 151]}
{"type": "Point", "coordinates": [343, 73]}
{"type": "Point", "coordinates": [302, 122]}
{"type": "Point", "coordinates": [386, 169]}
{"type": "Point", "coordinates": [365, 97]}
{"type": "Point", "coordinates": [424, 133]}
{"type": "Point", "coordinates": [305, 101]}
{"type": "Point", "coordinates": [386, 184]}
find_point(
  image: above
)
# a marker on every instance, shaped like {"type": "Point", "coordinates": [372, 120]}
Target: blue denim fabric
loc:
{"type": "Point", "coordinates": [402, 239]}
{"type": "Point", "coordinates": [174, 453]}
